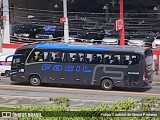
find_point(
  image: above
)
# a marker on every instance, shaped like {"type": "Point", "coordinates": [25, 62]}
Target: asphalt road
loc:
{"type": "Point", "coordinates": [26, 94]}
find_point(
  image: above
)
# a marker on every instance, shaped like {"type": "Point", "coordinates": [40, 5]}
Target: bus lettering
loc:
{"type": "Point", "coordinates": [67, 68]}
{"type": "Point", "coordinates": [78, 69]}
{"type": "Point", "coordinates": [57, 68]}
{"type": "Point", "coordinates": [46, 66]}
{"type": "Point", "coordinates": [85, 69]}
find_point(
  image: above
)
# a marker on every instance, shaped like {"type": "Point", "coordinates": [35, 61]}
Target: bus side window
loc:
{"type": "Point", "coordinates": [88, 58]}
{"type": "Point", "coordinates": [59, 57]}
{"type": "Point", "coordinates": [35, 56]}
{"type": "Point", "coordinates": [46, 56]}
{"type": "Point", "coordinates": [49, 57]}
{"type": "Point", "coordinates": [133, 59]}
{"type": "Point", "coordinates": [106, 59]}
{"type": "Point", "coordinates": [124, 60]}
{"type": "Point", "coordinates": [94, 58]}
{"type": "Point", "coordinates": [75, 57]}
{"type": "Point", "coordinates": [82, 59]}
{"type": "Point", "coordinates": [31, 57]}
{"type": "Point", "coordinates": [39, 57]}
{"type": "Point", "coordinates": [115, 59]}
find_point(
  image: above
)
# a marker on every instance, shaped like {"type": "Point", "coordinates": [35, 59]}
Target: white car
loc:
{"type": "Point", "coordinates": [44, 36]}
{"type": "Point", "coordinates": [142, 39]}
{"type": "Point", "coordinates": [156, 42]}
{"type": "Point", "coordinates": [111, 39]}
{"type": "Point", "coordinates": [5, 66]}
{"type": "Point", "coordinates": [136, 42]}
{"type": "Point", "coordinates": [70, 38]}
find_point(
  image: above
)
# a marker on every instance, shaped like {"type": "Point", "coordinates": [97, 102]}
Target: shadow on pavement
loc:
{"type": "Point", "coordinates": [134, 89]}
{"type": "Point", "coordinates": [85, 87]}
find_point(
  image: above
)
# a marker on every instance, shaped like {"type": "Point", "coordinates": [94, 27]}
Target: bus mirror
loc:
{"type": "Point", "coordinates": [18, 64]}
{"type": "Point", "coordinates": [12, 56]}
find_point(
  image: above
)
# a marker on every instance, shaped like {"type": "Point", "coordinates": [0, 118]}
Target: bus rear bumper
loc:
{"type": "Point", "coordinates": [146, 83]}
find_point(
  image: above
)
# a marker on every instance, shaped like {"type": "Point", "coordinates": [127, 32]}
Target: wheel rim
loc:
{"type": "Point", "coordinates": [35, 80]}
{"type": "Point", "coordinates": [107, 85]}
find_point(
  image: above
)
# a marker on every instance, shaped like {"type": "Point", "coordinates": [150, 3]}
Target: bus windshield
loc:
{"type": "Point", "coordinates": [16, 62]}
{"type": "Point", "coordinates": [19, 59]}
{"type": "Point", "coordinates": [148, 64]}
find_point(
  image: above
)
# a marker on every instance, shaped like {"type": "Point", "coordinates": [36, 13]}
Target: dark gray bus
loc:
{"type": "Point", "coordinates": [76, 64]}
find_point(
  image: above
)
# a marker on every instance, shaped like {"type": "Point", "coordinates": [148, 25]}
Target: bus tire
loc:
{"type": "Point", "coordinates": [7, 73]}
{"type": "Point", "coordinates": [35, 80]}
{"type": "Point", "coordinates": [107, 84]}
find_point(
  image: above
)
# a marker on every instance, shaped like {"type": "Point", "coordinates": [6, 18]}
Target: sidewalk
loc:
{"type": "Point", "coordinates": [156, 79]}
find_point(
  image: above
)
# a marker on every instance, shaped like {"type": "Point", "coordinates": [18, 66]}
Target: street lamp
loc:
{"type": "Point", "coordinates": [106, 8]}
{"type": "Point", "coordinates": [155, 8]}
{"type": "Point", "coordinates": [56, 6]}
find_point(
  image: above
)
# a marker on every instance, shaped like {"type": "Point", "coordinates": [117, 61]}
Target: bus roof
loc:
{"type": "Point", "coordinates": [84, 47]}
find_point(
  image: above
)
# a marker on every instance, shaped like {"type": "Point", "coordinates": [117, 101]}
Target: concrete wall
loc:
{"type": "Point", "coordinates": [8, 51]}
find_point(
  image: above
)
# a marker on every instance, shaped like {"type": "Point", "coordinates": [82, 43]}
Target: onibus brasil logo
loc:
{"type": "Point", "coordinates": [20, 114]}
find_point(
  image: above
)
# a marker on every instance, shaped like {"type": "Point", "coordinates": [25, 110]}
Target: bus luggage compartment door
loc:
{"type": "Point", "coordinates": [133, 76]}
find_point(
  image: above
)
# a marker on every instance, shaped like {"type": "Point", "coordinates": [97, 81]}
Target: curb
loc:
{"type": "Point", "coordinates": [8, 106]}
{"type": "Point", "coordinates": [156, 84]}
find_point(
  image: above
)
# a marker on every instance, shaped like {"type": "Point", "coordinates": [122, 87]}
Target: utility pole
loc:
{"type": "Point", "coordinates": [122, 31]}
{"type": "Point", "coordinates": [66, 27]}
{"type": "Point", "coordinates": [0, 27]}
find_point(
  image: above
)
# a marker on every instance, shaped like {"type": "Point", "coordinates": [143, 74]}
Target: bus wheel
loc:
{"type": "Point", "coordinates": [107, 84]}
{"type": "Point", "coordinates": [35, 80]}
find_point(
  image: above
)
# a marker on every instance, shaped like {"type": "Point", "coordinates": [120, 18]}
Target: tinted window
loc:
{"type": "Point", "coordinates": [75, 57]}
{"type": "Point", "coordinates": [50, 56]}
{"type": "Point", "coordinates": [25, 53]}
{"type": "Point", "coordinates": [57, 56]}
{"type": "Point", "coordinates": [94, 58]}
{"type": "Point", "coordinates": [37, 56]}
{"type": "Point", "coordinates": [121, 59]}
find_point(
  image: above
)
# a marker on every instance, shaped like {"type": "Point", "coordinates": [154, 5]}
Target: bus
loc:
{"type": "Point", "coordinates": [100, 65]}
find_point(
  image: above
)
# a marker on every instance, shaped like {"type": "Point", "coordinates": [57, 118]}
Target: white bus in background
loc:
{"type": "Point", "coordinates": [5, 66]}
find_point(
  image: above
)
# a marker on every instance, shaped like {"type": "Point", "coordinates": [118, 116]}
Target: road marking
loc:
{"type": "Point", "coordinates": [33, 97]}
{"type": "Point", "coordinates": [15, 96]}
{"type": "Point", "coordinates": [80, 90]}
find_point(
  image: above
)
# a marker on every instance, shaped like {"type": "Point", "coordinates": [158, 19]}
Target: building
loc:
{"type": "Point", "coordinates": [49, 11]}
